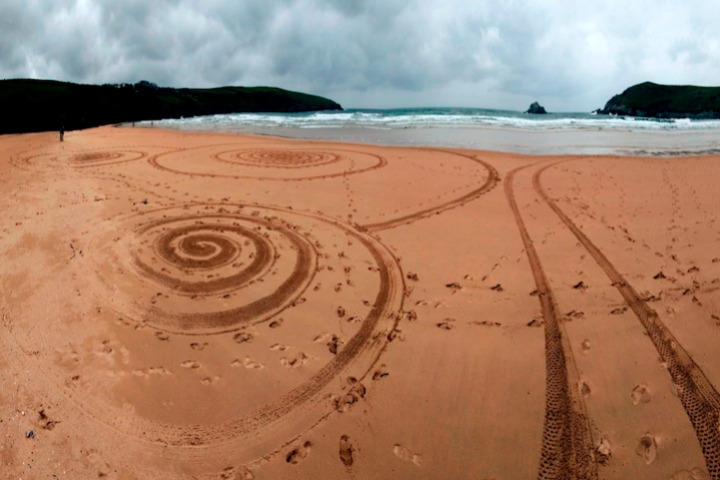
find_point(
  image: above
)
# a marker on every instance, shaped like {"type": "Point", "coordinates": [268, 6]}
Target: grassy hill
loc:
{"type": "Point", "coordinates": [41, 105]}
{"type": "Point", "coordinates": [666, 101]}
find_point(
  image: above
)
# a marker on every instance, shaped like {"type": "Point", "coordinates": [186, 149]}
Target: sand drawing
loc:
{"type": "Point", "coordinates": [220, 307]}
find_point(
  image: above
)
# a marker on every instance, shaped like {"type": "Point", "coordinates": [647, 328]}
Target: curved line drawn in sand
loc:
{"type": "Point", "coordinates": [699, 397]}
{"type": "Point", "coordinates": [492, 180]}
{"type": "Point", "coordinates": [178, 240]}
{"type": "Point", "coordinates": [360, 352]}
{"type": "Point", "coordinates": [567, 447]}
{"type": "Point", "coordinates": [281, 159]}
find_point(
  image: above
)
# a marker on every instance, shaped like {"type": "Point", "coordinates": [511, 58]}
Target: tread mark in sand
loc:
{"type": "Point", "coordinates": [567, 447]}
{"type": "Point", "coordinates": [698, 396]}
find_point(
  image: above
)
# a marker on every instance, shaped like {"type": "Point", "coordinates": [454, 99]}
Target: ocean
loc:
{"type": "Point", "coordinates": [499, 130]}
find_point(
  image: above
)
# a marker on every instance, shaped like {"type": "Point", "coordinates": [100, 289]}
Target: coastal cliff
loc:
{"type": "Point", "coordinates": [666, 101]}
{"type": "Point", "coordinates": [42, 105]}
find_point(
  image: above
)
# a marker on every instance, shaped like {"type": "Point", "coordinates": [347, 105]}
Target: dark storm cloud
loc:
{"type": "Point", "coordinates": [502, 53]}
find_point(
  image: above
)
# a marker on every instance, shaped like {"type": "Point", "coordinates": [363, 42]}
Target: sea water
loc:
{"type": "Point", "coordinates": [501, 130]}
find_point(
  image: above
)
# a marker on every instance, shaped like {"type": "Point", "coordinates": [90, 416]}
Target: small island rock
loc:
{"type": "Point", "coordinates": [536, 108]}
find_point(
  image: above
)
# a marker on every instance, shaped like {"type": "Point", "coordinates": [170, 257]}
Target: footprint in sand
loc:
{"type": "Point", "coordinates": [641, 394]}
{"type": "Point", "coordinates": [381, 372]}
{"type": "Point", "coordinates": [232, 473]}
{"type": "Point", "coordinates": [242, 337]}
{"type": "Point", "coordinates": [298, 361]}
{"type": "Point", "coordinates": [334, 344]}
{"type": "Point", "coordinates": [604, 451]}
{"type": "Point", "coordinates": [535, 322]}
{"type": "Point", "coordinates": [453, 286]}
{"type": "Point", "coordinates": [355, 394]}
{"type": "Point", "coordinates": [248, 363]}
{"type": "Point", "coordinates": [162, 336]}
{"type": "Point", "coordinates": [198, 346]}
{"type": "Point", "coordinates": [446, 324]}
{"type": "Point", "coordinates": [346, 451]}
{"type": "Point", "coordinates": [411, 315]}
{"type": "Point", "coordinates": [297, 454]}
{"type": "Point", "coordinates": [583, 387]}
{"type": "Point", "coordinates": [403, 453]}
{"type": "Point", "coordinates": [210, 380]}
{"type": "Point", "coordinates": [146, 372]}
{"type": "Point", "coordinates": [323, 337]}
{"type": "Point", "coordinates": [190, 364]}
{"type": "Point", "coordinates": [647, 448]}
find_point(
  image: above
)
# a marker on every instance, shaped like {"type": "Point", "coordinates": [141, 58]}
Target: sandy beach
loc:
{"type": "Point", "coordinates": [214, 306]}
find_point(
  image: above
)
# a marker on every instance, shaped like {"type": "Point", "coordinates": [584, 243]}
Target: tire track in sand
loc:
{"type": "Point", "coordinates": [698, 396]}
{"type": "Point", "coordinates": [492, 180]}
{"type": "Point", "coordinates": [567, 447]}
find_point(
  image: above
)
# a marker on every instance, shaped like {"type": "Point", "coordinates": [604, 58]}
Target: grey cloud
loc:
{"type": "Point", "coordinates": [501, 52]}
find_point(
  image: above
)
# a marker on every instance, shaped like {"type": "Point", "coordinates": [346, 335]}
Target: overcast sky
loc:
{"type": "Point", "coordinates": [569, 55]}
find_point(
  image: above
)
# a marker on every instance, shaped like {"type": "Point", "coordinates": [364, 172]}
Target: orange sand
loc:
{"type": "Point", "coordinates": [207, 306]}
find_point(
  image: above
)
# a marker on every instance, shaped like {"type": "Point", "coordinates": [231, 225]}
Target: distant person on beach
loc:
{"type": "Point", "coordinates": [62, 132]}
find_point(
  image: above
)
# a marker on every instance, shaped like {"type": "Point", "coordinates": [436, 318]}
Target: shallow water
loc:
{"type": "Point", "coordinates": [559, 133]}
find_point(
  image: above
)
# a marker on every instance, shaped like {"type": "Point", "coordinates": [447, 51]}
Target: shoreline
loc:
{"type": "Point", "coordinates": [503, 139]}
{"type": "Point", "coordinates": [295, 308]}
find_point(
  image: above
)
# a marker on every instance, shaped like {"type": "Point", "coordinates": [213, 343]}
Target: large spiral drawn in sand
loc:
{"type": "Point", "coordinates": [196, 261]}
{"type": "Point", "coordinates": [212, 270]}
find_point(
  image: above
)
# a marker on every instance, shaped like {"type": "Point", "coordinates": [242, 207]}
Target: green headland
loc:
{"type": "Point", "coordinates": [42, 105]}
{"type": "Point", "coordinates": [666, 101]}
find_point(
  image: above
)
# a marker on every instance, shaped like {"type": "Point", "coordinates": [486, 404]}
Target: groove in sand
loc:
{"type": "Point", "coordinates": [698, 396]}
{"type": "Point", "coordinates": [567, 447]}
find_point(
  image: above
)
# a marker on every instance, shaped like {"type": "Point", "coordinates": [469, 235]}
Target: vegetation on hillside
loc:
{"type": "Point", "coordinates": [666, 101]}
{"type": "Point", "coordinates": [41, 105]}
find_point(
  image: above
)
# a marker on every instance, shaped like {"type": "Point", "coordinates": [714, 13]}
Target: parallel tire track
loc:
{"type": "Point", "coordinates": [490, 183]}
{"type": "Point", "coordinates": [567, 448]}
{"type": "Point", "coordinates": [698, 396]}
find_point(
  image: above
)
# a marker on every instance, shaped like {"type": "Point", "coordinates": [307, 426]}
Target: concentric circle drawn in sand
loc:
{"type": "Point", "coordinates": [278, 158]}
{"type": "Point", "coordinates": [212, 237]}
{"type": "Point", "coordinates": [80, 159]}
{"type": "Point", "coordinates": [272, 162]}
{"type": "Point", "coordinates": [96, 158]}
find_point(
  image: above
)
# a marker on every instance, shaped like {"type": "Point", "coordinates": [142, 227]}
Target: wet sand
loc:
{"type": "Point", "coordinates": [213, 306]}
